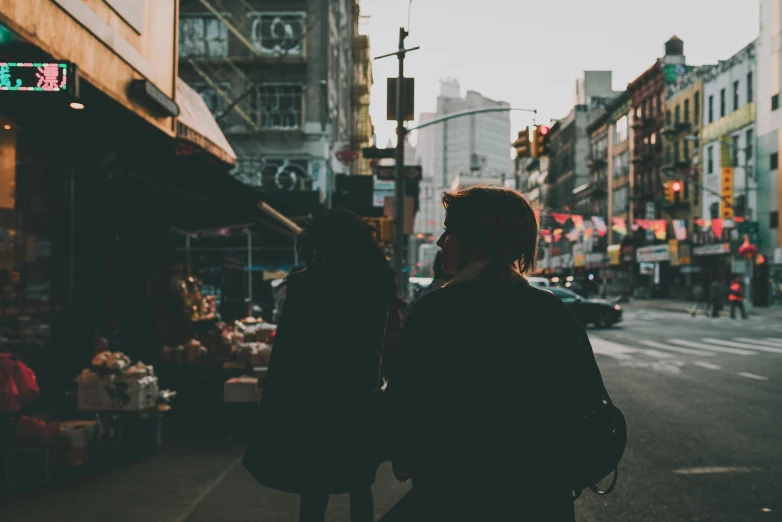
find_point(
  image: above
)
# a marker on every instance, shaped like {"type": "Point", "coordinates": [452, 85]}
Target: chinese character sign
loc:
{"type": "Point", "coordinates": [727, 192]}
{"type": "Point", "coordinates": [34, 77]}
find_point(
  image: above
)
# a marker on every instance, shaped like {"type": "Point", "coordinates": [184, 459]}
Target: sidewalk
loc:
{"type": "Point", "coordinates": [677, 305]}
{"type": "Point", "coordinates": [182, 483]}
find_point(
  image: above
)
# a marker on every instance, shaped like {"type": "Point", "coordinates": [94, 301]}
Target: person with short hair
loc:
{"type": "Point", "coordinates": [484, 398]}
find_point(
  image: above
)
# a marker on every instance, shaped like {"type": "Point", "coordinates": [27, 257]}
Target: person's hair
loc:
{"type": "Point", "coordinates": [341, 239]}
{"type": "Point", "coordinates": [494, 223]}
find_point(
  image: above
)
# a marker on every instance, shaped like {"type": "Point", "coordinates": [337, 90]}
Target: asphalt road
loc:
{"type": "Point", "coordinates": [702, 401]}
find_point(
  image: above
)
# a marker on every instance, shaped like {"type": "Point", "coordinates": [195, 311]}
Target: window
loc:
{"type": "Point", "coordinates": [676, 156]}
{"type": "Point", "coordinates": [739, 205]}
{"type": "Point", "coordinates": [620, 199]}
{"type": "Point", "coordinates": [773, 221]}
{"type": "Point", "coordinates": [281, 106]}
{"type": "Point", "coordinates": [722, 103]}
{"type": "Point", "coordinates": [774, 163]}
{"type": "Point", "coordinates": [667, 117]}
{"type": "Point", "coordinates": [621, 164]}
{"type": "Point", "coordinates": [750, 92]}
{"type": "Point", "coordinates": [736, 95]}
{"type": "Point", "coordinates": [735, 150]}
{"type": "Point", "coordinates": [714, 210]}
{"type": "Point", "coordinates": [710, 160]}
{"type": "Point", "coordinates": [711, 109]}
{"type": "Point", "coordinates": [274, 173]}
{"type": "Point", "coordinates": [278, 34]}
{"type": "Point", "coordinates": [201, 36]}
{"type": "Point", "coordinates": [775, 102]}
{"type": "Point", "coordinates": [749, 156]}
{"type": "Point", "coordinates": [677, 115]}
{"type": "Point", "coordinates": [621, 130]}
{"type": "Point", "coordinates": [215, 102]}
{"type": "Point", "coordinates": [687, 111]}
{"type": "Point", "coordinates": [696, 107]}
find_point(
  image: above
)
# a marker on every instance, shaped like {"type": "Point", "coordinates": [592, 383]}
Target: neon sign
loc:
{"type": "Point", "coordinates": [34, 76]}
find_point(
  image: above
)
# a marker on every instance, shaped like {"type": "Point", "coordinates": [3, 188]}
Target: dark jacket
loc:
{"type": "Point", "coordinates": [484, 398]}
{"type": "Point", "coordinates": [315, 431]}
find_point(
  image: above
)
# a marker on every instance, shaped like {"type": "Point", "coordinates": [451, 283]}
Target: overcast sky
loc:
{"type": "Point", "coordinates": [529, 53]}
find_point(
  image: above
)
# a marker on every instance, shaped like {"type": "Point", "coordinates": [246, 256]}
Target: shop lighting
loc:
{"type": "Point", "coordinates": [77, 106]}
{"type": "Point", "coordinates": [7, 127]}
{"type": "Point", "coordinates": [569, 278]}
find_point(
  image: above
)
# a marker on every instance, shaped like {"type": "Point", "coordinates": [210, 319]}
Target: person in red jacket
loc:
{"type": "Point", "coordinates": [736, 298]}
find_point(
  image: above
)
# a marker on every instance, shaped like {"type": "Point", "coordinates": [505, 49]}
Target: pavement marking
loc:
{"type": "Point", "coordinates": [753, 376]}
{"type": "Point", "coordinates": [199, 499]}
{"type": "Point", "coordinates": [713, 469]}
{"type": "Point", "coordinates": [688, 351]}
{"type": "Point", "coordinates": [710, 347]}
{"type": "Point", "coordinates": [608, 348]}
{"type": "Point", "coordinates": [706, 365]}
{"type": "Point", "coordinates": [753, 346]}
{"type": "Point", "coordinates": [761, 341]}
{"type": "Point", "coordinates": [775, 340]}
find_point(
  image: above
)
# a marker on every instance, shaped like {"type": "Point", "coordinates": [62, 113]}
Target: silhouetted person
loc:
{"type": "Point", "coordinates": [715, 296]}
{"type": "Point", "coordinates": [315, 433]}
{"type": "Point", "coordinates": [736, 299]}
{"type": "Point", "coordinates": [440, 276]}
{"type": "Point", "coordinates": [484, 398]}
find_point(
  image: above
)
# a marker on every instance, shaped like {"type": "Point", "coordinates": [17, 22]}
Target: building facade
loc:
{"type": "Point", "coordinates": [458, 151]}
{"type": "Point", "coordinates": [289, 84]}
{"type": "Point", "coordinates": [620, 169]}
{"type": "Point", "coordinates": [683, 123]}
{"type": "Point", "coordinates": [769, 141]}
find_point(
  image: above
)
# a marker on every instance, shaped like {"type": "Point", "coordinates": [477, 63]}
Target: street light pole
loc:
{"type": "Point", "coordinates": [399, 179]}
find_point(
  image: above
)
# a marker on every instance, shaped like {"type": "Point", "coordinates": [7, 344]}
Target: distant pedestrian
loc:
{"type": "Point", "coordinates": [736, 299]}
{"type": "Point", "coordinates": [700, 301]}
{"type": "Point", "coordinates": [317, 432]}
{"type": "Point", "coordinates": [492, 377]}
{"type": "Point", "coordinates": [715, 298]}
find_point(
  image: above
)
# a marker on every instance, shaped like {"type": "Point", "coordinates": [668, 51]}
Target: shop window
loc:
{"type": "Point", "coordinates": [714, 210]}
{"type": "Point", "coordinates": [281, 106]}
{"type": "Point", "coordinates": [202, 36]}
{"type": "Point", "coordinates": [774, 162]}
{"type": "Point", "coordinates": [278, 34]}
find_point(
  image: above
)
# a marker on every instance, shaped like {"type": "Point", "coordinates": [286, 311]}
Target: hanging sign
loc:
{"type": "Point", "coordinates": [727, 192]}
{"type": "Point", "coordinates": [36, 76]}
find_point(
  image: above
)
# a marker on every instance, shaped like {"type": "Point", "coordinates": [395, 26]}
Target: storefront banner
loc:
{"type": "Point", "coordinates": [716, 227]}
{"type": "Point", "coordinates": [600, 225]}
{"type": "Point", "coordinates": [727, 192]}
{"type": "Point", "coordinates": [680, 229]}
{"type": "Point", "coordinates": [560, 218]}
{"type": "Point", "coordinates": [614, 254]}
{"type": "Point", "coordinates": [660, 229]}
{"type": "Point", "coordinates": [646, 269]}
{"type": "Point", "coordinates": [645, 224]}
{"type": "Point", "coordinates": [652, 254]}
{"type": "Point", "coordinates": [596, 260]}
{"type": "Point", "coordinates": [619, 226]}
{"type": "Point", "coordinates": [557, 234]}
{"type": "Point", "coordinates": [578, 221]}
{"type": "Point", "coordinates": [587, 233]}
{"type": "Point", "coordinates": [673, 248]}
{"type": "Point", "coordinates": [685, 254]}
{"type": "Point", "coordinates": [711, 250]}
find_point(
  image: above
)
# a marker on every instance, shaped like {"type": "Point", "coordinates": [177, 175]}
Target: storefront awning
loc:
{"type": "Point", "coordinates": [197, 126]}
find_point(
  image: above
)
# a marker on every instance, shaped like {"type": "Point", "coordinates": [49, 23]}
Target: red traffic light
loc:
{"type": "Point", "coordinates": [676, 186]}
{"type": "Point", "coordinates": [543, 130]}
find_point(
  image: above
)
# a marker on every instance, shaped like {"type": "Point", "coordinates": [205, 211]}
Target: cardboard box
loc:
{"type": "Point", "coordinates": [117, 395]}
{"type": "Point", "coordinates": [242, 389]}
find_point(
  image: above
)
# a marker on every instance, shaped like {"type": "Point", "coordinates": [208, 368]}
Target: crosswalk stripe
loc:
{"type": "Point", "coordinates": [752, 346]}
{"type": "Point", "coordinates": [761, 341]}
{"type": "Point", "coordinates": [616, 351]}
{"type": "Point", "coordinates": [688, 351]}
{"type": "Point", "coordinates": [776, 340]}
{"type": "Point", "coordinates": [710, 347]}
{"type": "Point", "coordinates": [706, 365]}
{"type": "Point", "coordinates": [656, 353]}
{"type": "Point", "coordinates": [753, 376]}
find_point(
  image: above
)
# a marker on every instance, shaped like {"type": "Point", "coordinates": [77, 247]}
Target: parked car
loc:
{"type": "Point", "coordinates": [589, 311]}
{"type": "Point", "coordinates": [541, 282]}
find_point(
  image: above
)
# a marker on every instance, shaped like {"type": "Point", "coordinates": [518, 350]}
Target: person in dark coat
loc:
{"type": "Point", "coordinates": [316, 432]}
{"type": "Point", "coordinates": [483, 398]}
{"type": "Point", "coordinates": [440, 276]}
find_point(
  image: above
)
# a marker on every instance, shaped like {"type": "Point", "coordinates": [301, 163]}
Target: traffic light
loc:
{"type": "Point", "coordinates": [667, 191]}
{"type": "Point", "coordinates": [540, 141]}
{"type": "Point", "coordinates": [522, 144]}
{"type": "Point", "coordinates": [676, 189]}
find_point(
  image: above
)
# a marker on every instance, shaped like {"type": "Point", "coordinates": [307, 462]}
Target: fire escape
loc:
{"type": "Point", "coordinates": [363, 130]}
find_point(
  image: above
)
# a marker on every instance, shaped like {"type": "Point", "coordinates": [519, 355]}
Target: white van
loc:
{"type": "Point", "coordinates": [541, 282]}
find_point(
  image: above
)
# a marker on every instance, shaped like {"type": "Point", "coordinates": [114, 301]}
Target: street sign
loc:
{"type": "Point", "coordinates": [408, 99]}
{"type": "Point", "coordinates": [36, 76]}
{"type": "Point", "coordinates": [412, 172]}
{"type": "Point", "coordinates": [375, 153]}
{"type": "Point", "coordinates": [752, 229]}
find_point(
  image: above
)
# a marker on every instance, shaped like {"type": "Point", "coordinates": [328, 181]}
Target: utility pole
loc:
{"type": "Point", "coordinates": [399, 167]}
